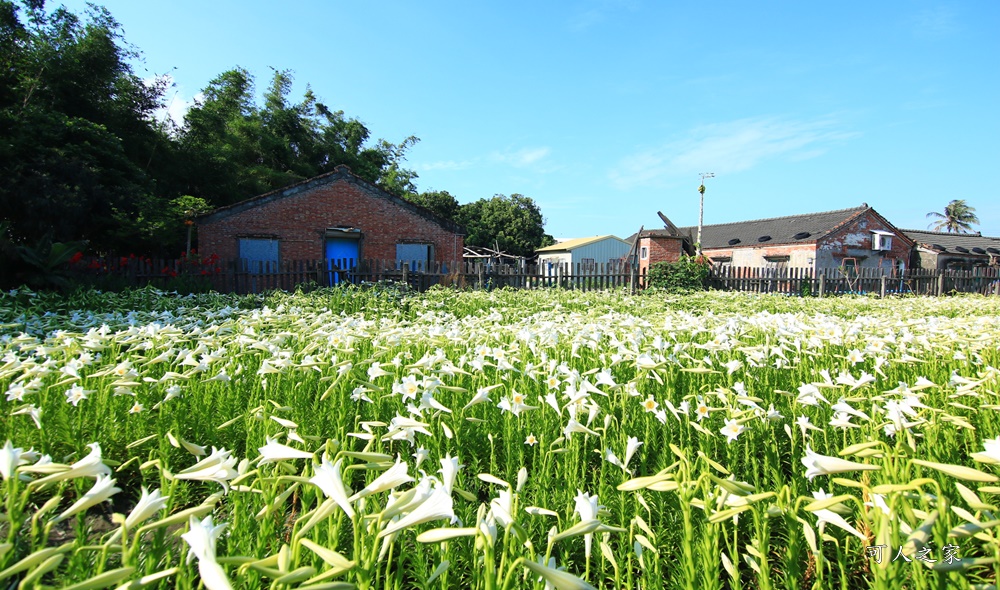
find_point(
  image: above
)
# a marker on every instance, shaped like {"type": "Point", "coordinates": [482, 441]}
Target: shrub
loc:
{"type": "Point", "coordinates": [687, 274]}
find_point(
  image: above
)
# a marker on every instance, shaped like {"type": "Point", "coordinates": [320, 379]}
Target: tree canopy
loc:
{"type": "Point", "coordinates": [511, 224]}
{"type": "Point", "coordinates": [76, 130]}
{"type": "Point", "coordinates": [86, 152]}
{"type": "Point", "coordinates": [958, 217]}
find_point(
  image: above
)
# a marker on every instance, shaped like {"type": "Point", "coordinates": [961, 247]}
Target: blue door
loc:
{"type": "Point", "coordinates": [341, 254]}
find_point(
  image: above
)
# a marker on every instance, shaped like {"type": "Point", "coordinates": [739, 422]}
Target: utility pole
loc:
{"type": "Point", "coordinates": [701, 206]}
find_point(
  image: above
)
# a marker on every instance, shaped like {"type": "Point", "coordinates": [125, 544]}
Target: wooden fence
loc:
{"type": "Point", "coordinates": [836, 281]}
{"type": "Point", "coordinates": [243, 277]}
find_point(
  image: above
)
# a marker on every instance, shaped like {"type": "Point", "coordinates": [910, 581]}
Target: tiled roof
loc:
{"type": "Point", "coordinates": [794, 229]}
{"type": "Point", "coordinates": [574, 243]}
{"type": "Point", "coordinates": [950, 243]}
{"type": "Point", "coordinates": [340, 172]}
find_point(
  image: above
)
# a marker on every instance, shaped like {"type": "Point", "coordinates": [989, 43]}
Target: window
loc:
{"type": "Point", "coordinates": [776, 261]}
{"type": "Point", "coordinates": [644, 254]}
{"type": "Point", "coordinates": [588, 263]}
{"type": "Point", "coordinates": [415, 255]}
{"type": "Point", "coordinates": [259, 254]}
{"type": "Point", "coordinates": [881, 240]}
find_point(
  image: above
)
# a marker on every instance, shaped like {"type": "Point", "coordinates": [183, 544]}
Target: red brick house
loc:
{"type": "Point", "coordinates": [858, 237]}
{"type": "Point", "coordinates": [333, 216]}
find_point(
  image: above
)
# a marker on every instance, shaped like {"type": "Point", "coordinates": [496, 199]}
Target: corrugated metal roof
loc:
{"type": "Point", "coordinates": [949, 242]}
{"type": "Point", "coordinates": [567, 245]}
{"type": "Point", "coordinates": [793, 229]}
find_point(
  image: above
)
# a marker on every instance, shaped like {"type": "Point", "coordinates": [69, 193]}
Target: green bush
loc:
{"type": "Point", "coordinates": [687, 274]}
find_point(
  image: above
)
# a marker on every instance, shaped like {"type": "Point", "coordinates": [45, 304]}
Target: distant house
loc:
{"type": "Point", "coordinates": [858, 237]}
{"type": "Point", "coordinates": [334, 216]}
{"type": "Point", "coordinates": [660, 245]}
{"type": "Point", "coordinates": [938, 250]}
{"type": "Point", "coordinates": [855, 238]}
{"type": "Point", "coordinates": [588, 252]}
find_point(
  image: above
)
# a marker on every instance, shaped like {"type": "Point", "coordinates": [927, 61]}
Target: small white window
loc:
{"type": "Point", "coordinates": [645, 253]}
{"type": "Point", "coordinates": [881, 240]}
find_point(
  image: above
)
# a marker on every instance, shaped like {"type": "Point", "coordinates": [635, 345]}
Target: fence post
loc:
{"type": "Point", "coordinates": [406, 267]}
{"type": "Point", "coordinates": [940, 285]}
{"type": "Point", "coordinates": [822, 284]}
{"type": "Point", "coordinates": [482, 285]}
{"type": "Point", "coordinates": [882, 287]}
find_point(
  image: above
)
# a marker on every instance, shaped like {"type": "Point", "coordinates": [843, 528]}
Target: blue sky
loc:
{"type": "Point", "coordinates": [605, 112]}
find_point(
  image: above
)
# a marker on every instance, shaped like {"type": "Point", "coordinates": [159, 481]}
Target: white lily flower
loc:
{"type": "Point", "coordinates": [554, 578]}
{"type": "Point", "coordinates": [273, 451]}
{"type": "Point", "coordinates": [34, 412]}
{"type": "Point", "coordinates": [149, 504]}
{"type": "Point", "coordinates": [329, 479]}
{"type": "Point", "coordinates": [10, 459]}
{"type": "Point", "coordinates": [89, 466]}
{"type": "Point", "coordinates": [102, 490]}
{"type": "Point", "coordinates": [828, 516]}
{"type": "Point", "coordinates": [817, 464]}
{"type": "Point", "coordinates": [501, 508]}
{"type": "Point", "coordinates": [991, 452]}
{"type": "Point", "coordinates": [575, 427]}
{"type": "Point", "coordinates": [449, 471]}
{"type": "Point", "coordinates": [631, 446]}
{"type": "Point", "coordinates": [217, 467]}
{"type": "Point", "coordinates": [436, 507]}
{"type": "Point", "coordinates": [482, 396]}
{"type": "Point", "coordinates": [395, 476]}
{"type": "Point", "coordinates": [202, 537]}
{"type": "Point", "coordinates": [732, 429]}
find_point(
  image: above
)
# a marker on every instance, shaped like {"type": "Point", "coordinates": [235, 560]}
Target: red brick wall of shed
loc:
{"type": "Point", "coordinates": [854, 240]}
{"type": "Point", "coordinates": [658, 249]}
{"type": "Point", "coordinates": [299, 223]}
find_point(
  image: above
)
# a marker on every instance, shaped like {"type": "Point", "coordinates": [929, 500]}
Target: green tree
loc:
{"type": "Point", "coordinates": [441, 203]}
{"type": "Point", "coordinates": [957, 217]}
{"type": "Point", "coordinates": [238, 149]}
{"type": "Point", "coordinates": [77, 133]}
{"type": "Point", "coordinates": [513, 224]}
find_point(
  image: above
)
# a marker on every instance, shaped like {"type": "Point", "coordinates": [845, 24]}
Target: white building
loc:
{"type": "Point", "coordinates": [587, 252]}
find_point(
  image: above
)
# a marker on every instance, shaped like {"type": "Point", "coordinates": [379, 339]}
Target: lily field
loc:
{"type": "Point", "coordinates": [349, 438]}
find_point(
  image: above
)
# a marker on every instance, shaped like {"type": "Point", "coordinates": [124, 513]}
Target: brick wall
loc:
{"type": "Point", "coordinates": [854, 240]}
{"type": "Point", "coordinates": [799, 255]}
{"type": "Point", "coordinates": [299, 216]}
{"type": "Point", "coordinates": [659, 249]}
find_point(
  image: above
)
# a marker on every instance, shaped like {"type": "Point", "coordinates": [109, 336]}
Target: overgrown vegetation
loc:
{"type": "Point", "coordinates": [685, 275]}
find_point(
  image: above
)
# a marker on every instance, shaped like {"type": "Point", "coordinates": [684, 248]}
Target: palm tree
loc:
{"type": "Point", "coordinates": [957, 218]}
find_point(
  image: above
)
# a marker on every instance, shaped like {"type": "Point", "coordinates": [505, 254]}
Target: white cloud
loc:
{"type": "Point", "coordinates": [935, 23]}
{"type": "Point", "coordinates": [522, 157]}
{"type": "Point", "coordinates": [446, 165]}
{"type": "Point", "coordinates": [532, 157]}
{"type": "Point", "coordinates": [594, 12]}
{"type": "Point", "coordinates": [726, 148]}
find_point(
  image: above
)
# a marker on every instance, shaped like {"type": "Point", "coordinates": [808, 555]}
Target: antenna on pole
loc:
{"type": "Point", "coordinates": [701, 206]}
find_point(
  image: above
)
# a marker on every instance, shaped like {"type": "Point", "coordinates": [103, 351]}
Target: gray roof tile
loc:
{"type": "Point", "coordinates": [792, 229]}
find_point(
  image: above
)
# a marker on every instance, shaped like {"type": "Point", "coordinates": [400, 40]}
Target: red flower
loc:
{"type": "Point", "coordinates": [76, 258]}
